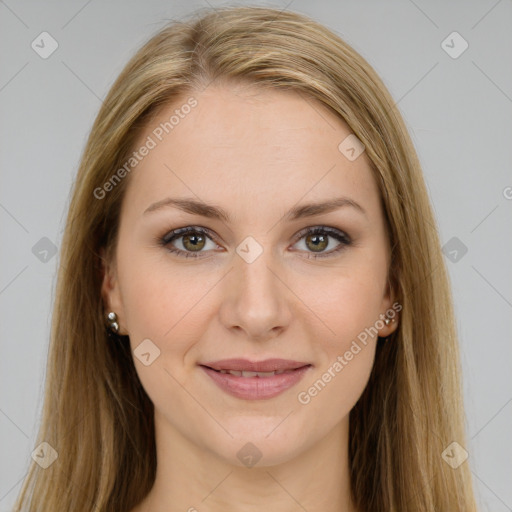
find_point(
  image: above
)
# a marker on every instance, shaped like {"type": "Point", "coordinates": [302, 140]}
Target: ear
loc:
{"type": "Point", "coordinates": [110, 291]}
{"type": "Point", "coordinates": [390, 309]}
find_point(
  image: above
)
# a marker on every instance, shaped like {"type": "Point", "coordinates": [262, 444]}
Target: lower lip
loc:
{"type": "Point", "coordinates": [256, 388]}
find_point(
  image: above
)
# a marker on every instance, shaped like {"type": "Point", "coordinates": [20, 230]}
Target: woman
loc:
{"type": "Point", "coordinates": [252, 307]}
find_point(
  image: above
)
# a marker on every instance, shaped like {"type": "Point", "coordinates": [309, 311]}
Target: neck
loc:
{"type": "Point", "coordinates": [194, 479]}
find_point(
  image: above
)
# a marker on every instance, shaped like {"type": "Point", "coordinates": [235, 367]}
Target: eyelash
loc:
{"type": "Point", "coordinates": [340, 236]}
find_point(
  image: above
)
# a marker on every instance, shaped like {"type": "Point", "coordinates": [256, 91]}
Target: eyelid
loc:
{"type": "Point", "coordinates": [341, 236]}
{"type": "Point", "coordinates": [176, 233]}
{"type": "Point", "coordinates": [335, 232]}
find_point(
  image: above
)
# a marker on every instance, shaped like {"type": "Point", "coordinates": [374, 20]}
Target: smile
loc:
{"type": "Point", "coordinates": [253, 385]}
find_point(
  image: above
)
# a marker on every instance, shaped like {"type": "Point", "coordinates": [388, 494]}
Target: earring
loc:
{"type": "Point", "coordinates": [113, 325]}
{"type": "Point", "coordinates": [388, 321]}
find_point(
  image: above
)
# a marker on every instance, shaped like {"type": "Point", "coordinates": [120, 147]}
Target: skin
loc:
{"type": "Point", "coordinates": [256, 154]}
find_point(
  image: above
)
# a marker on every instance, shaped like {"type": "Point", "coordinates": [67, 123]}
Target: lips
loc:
{"type": "Point", "coordinates": [255, 380]}
{"type": "Point", "coordinates": [244, 365]}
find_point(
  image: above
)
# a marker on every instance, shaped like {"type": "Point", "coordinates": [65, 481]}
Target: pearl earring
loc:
{"type": "Point", "coordinates": [113, 324]}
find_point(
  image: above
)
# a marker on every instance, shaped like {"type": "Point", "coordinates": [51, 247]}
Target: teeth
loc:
{"type": "Point", "coordinates": [239, 373]}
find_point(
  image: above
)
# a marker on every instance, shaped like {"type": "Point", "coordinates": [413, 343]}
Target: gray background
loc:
{"type": "Point", "coordinates": [458, 111]}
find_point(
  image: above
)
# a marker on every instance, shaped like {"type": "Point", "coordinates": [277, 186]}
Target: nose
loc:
{"type": "Point", "coordinates": [256, 298]}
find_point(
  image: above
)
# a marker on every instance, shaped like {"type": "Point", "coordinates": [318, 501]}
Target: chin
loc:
{"type": "Point", "coordinates": [261, 442]}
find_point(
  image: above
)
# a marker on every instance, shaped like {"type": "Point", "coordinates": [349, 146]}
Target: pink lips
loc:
{"type": "Point", "coordinates": [255, 387]}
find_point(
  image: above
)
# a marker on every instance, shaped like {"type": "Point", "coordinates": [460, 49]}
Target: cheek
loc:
{"type": "Point", "coordinates": [349, 307]}
{"type": "Point", "coordinates": [346, 303]}
{"type": "Point", "coordinates": [173, 308]}
{"type": "Point", "coordinates": [167, 305]}
{"type": "Point", "coordinates": [337, 386]}
{"type": "Point", "coordinates": [166, 308]}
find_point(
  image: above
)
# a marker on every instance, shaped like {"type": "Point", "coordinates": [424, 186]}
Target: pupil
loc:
{"type": "Point", "coordinates": [194, 240]}
{"type": "Point", "coordinates": [319, 241]}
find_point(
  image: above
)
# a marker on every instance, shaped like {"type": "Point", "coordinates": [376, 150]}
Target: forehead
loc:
{"type": "Point", "coordinates": [237, 143]}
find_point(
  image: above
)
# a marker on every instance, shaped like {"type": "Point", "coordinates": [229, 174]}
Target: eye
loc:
{"type": "Point", "coordinates": [317, 240]}
{"type": "Point", "coordinates": [191, 239]}
{"type": "Point", "coordinates": [194, 239]}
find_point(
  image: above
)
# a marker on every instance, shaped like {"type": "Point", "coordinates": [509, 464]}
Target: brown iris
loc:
{"type": "Point", "coordinates": [194, 241]}
{"type": "Point", "coordinates": [319, 242]}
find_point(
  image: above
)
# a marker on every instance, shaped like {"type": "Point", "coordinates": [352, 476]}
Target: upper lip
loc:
{"type": "Point", "coordinates": [268, 365]}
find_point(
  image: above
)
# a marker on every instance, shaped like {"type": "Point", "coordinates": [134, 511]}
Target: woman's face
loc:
{"type": "Point", "coordinates": [248, 277]}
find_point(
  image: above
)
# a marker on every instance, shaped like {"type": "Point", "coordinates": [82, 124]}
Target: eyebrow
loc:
{"type": "Point", "coordinates": [216, 212]}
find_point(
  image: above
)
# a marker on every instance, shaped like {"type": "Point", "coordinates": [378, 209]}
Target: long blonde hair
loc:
{"type": "Point", "coordinates": [96, 414]}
